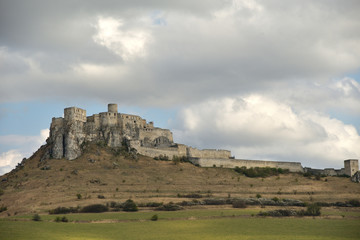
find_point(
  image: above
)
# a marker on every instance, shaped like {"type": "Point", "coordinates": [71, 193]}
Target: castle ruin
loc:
{"type": "Point", "coordinates": [68, 133]}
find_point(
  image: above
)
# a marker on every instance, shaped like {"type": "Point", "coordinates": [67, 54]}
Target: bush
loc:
{"type": "Point", "coordinates": [94, 208]}
{"type": "Point", "coordinates": [258, 195]}
{"type": "Point", "coordinates": [162, 158]}
{"type": "Point", "coordinates": [313, 210]}
{"type": "Point", "coordinates": [178, 159]}
{"type": "Point", "coordinates": [101, 196]}
{"type": "Point", "coordinates": [64, 219]}
{"type": "Point", "coordinates": [78, 196]}
{"type": "Point", "coordinates": [191, 195]}
{"type": "Point", "coordinates": [150, 204]}
{"type": "Point", "coordinates": [36, 218]}
{"type": "Point", "coordinates": [3, 208]}
{"type": "Point", "coordinates": [194, 202]}
{"type": "Point", "coordinates": [64, 210]}
{"type": "Point", "coordinates": [214, 201]}
{"type": "Point", "coordinates": [354, 202]}
{"type": "Point", "coordinates": [260, 171]}
{"type": "Point", "coordinates": [154, 217]}
{"type": "Point", "coordinates": [130, 206]}
{"type": "Point", "coordinates": [58, 219]}
{"type": "Point", "coordinates": [239, 204]}
{"type": "Point", "coordinates": [279, 213]}
{"type": "Point", "coordinates": [169, 207]}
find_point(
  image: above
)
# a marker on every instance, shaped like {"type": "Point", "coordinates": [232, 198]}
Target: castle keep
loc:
{"type": "Point", "coordinates": [67, 134]}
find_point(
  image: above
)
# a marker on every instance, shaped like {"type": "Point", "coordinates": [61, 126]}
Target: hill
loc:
{"type": "Point", "coordinates": [104, 174]}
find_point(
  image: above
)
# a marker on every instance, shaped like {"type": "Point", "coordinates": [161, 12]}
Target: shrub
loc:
{"type": "Point", "coordinates": [354, 202]}
{"type": "Point", "coordinates": [154, 217]}
{"type": "Point", "coordinates": [130, 206]}
{"type": "Point", "coordinates": [191, 195]}
{"type": "Point", "coordinates": [58, 219]}
{"type": "Point", "coordinates": [162, 158]}
{"type": "Point", "coordinates": [36, 218]}
{"type": "Point", "coordinates": [94, 208]}
{"type": "Point", "coordinates": [279, 213]}
{"type": "Point", "coordinates": [194, 202]}
{"type": "Point", "coordinates": [78, 196]}
{"type": "Point", "coordinates": [258, 195]}
{"type": "Point", "coordinates": [260, 171]}
{"type": "Point", "coordinates": [150, 204]}
{"type": "Point", "coordinates": [169, 207]}
{"type": "Point", "coordinates": [214, 201]}
{"type": "Point", "coordinates": [1, 192]}
{"type": "Point", "coordinates": [3, 208]}
{"type": "Point", "coordinates": [313, 210]}
{"type": "Point", "coordinates": [275, 199]}
{"type": "Point", "coordinates": [239, 204]}
{"type": "Point", "coordinates": [64, 219]}
{"type": "Point", "coordinates": [101, 196]}
{"type": "Point", "coordinates": [64, 210]}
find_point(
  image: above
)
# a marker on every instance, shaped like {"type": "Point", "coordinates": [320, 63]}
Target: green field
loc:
{"type": "Point", "coordinates": [190, 224]}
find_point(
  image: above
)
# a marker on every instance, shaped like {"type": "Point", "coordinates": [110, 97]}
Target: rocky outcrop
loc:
{"type": "Point", "coordinates": [356, 177]}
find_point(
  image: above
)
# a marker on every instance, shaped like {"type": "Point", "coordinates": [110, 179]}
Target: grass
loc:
{"type": "Point", "coordinates": [223, 228]}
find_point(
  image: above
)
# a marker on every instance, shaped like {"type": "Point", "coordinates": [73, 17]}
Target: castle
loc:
{"type": "Point", "coordinates": [67, 135]}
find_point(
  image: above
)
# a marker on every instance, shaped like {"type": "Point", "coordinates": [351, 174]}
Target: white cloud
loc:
{"type": "Point", "coordinates": [127, 43]}
{"type": "Point", "coordinates": [24, 146]}
{"type": "Point", "coordinates": [257, 127]}
{"type": "Point", "coordinates": [9, 159]}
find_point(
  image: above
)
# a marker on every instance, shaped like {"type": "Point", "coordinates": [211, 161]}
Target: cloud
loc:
{"type": "Point", "coordinates": [24, 146]}
{"type": "Point", "coordinates": [127, 44]}
{"type": "Point", "coordinates": [258, 127]}
{"type": "Point", "coordinates": [8, 160]}
{"type": "Point", "coordinates": [179, 52]}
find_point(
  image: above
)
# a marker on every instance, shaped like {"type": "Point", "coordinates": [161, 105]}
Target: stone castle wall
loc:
{"type": "Point", "coordinates": [169, 152]}
{"type": "Point", "coordinates": [208, 153]}
{"type": "Point", "coordinates": [232, 163]}
{"type": "Point", "coordinates": [154, 133]}
{"type": "Point", "coordinates": [326, 171]}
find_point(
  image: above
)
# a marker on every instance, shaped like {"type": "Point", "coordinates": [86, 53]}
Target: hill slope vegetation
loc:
{"type": "Point", "coordinates": [102, 175]}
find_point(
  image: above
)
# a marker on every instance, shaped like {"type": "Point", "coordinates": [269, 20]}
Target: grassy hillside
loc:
{"type": "Point", "coordinates": [101, 172]}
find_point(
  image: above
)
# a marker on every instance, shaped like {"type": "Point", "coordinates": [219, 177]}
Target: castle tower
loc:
{"type": "Point", "coordinates": [351, 166]}
{"type": "Point", "coordinates": [112, 107]}
{"type": "Point", "coordinates": [75, 114]}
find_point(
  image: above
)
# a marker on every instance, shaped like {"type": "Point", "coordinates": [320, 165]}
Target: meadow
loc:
{"type": "Point", "coordinates": [189, 224]}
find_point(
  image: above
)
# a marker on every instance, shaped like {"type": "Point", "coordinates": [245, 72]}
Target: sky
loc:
{"type": "Point", "coordinates": [269, 80]}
